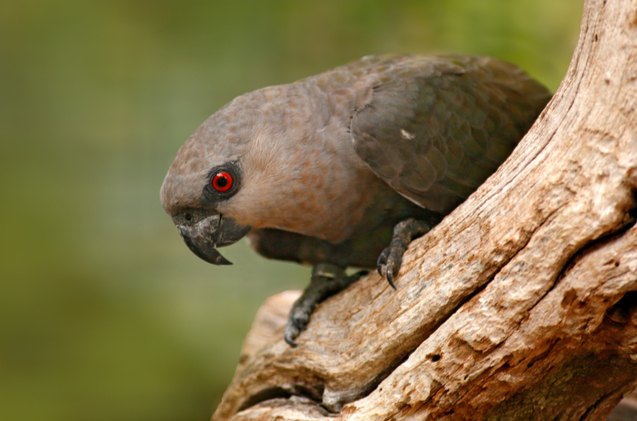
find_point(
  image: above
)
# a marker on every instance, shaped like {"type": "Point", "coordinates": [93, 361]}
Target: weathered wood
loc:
{"type": "Point", "coordinates": [521, 304]}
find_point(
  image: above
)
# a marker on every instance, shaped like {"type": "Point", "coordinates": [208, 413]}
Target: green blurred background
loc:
{"type": "Point", "coordinates": [104, 313]}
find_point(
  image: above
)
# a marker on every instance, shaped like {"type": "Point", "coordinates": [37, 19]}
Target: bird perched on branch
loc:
{"type": "Point", "coordinates": [346, 168]}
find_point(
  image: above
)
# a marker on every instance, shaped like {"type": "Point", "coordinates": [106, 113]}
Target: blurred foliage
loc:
{"type": "Point", "coordinates": [104, 314]}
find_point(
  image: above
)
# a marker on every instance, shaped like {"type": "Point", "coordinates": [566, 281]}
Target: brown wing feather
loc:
{"type": "Point", "coordinates": [434, 128]}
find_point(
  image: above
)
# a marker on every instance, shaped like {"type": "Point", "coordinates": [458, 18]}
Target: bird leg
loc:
{"type": "Point", "coordinates": [390, 259]}
{"type": "Point", "coordinates": [327, 279]}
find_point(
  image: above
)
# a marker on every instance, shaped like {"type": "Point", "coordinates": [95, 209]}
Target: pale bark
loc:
{"type": "Point", "coordinates": [521, 304]}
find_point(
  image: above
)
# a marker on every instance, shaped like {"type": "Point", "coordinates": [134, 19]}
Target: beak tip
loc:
{"type": "Point", "coordinates": [222, 261]}
{"type": "Point", "coordinates": [206, 252]}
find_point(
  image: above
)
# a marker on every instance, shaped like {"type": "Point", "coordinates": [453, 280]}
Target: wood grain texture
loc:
{"type": "Point", "coordinates": [521, 304]}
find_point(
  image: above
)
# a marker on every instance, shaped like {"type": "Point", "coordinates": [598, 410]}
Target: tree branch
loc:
{"type": "Point", "coordinates": [520, 304]}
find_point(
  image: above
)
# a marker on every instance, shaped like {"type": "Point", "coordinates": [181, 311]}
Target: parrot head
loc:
{"type": "Point", "coordinates": [193, 201]}
{"type": "Point", "coordinates": [199, 221]}
{"type": "Point", "coordinates": [220, 184]}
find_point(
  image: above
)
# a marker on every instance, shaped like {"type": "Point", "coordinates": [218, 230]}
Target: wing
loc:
{"type": "Point", "coordinates": [434, 128]}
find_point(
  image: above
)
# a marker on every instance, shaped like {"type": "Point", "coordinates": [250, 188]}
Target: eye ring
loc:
{"type": "Point", "coordinates": [222, 181]}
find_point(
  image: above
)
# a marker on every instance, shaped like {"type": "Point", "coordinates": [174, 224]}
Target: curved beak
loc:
{"type": "Point", "coordinates": [205, 235]}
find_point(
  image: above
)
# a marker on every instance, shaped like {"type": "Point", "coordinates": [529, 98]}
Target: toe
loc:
{"type": "Point", "coordinates": [381, 262]}
{"type": "Point", "coordinates": [297, 322]}
{"type": "Point", "coordinates": [290, 335]}
{"type": "Point", "coordinates": [393, 267]}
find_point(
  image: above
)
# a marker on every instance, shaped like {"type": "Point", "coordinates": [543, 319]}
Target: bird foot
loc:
{"type": "Point", "coordinates": [327, 279]}
{"type": "Point", "coordinates": [391, 258]}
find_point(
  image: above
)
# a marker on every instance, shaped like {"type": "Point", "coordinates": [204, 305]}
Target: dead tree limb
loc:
{"type": "Point", "coordinates": [521, 304]}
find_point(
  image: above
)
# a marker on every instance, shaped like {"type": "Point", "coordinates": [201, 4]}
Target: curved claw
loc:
{"type": "Point", "coordinates": [385, 266]}
{"type": "Point", "coordinates": [291, 332]}
{"type": "Point", "coordinates": [391, 258]}
{"type": "Point", "coordinates": [390, 279]}
{"type": "Point", "coordinates": [297, 322]}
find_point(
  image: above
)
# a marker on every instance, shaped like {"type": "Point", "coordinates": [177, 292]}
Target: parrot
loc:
{"type": "Point", "coordinates": [342, 170]}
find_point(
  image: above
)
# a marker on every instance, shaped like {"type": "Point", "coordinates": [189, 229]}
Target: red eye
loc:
{"type": "Point", "coordinates": [222, 181]}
